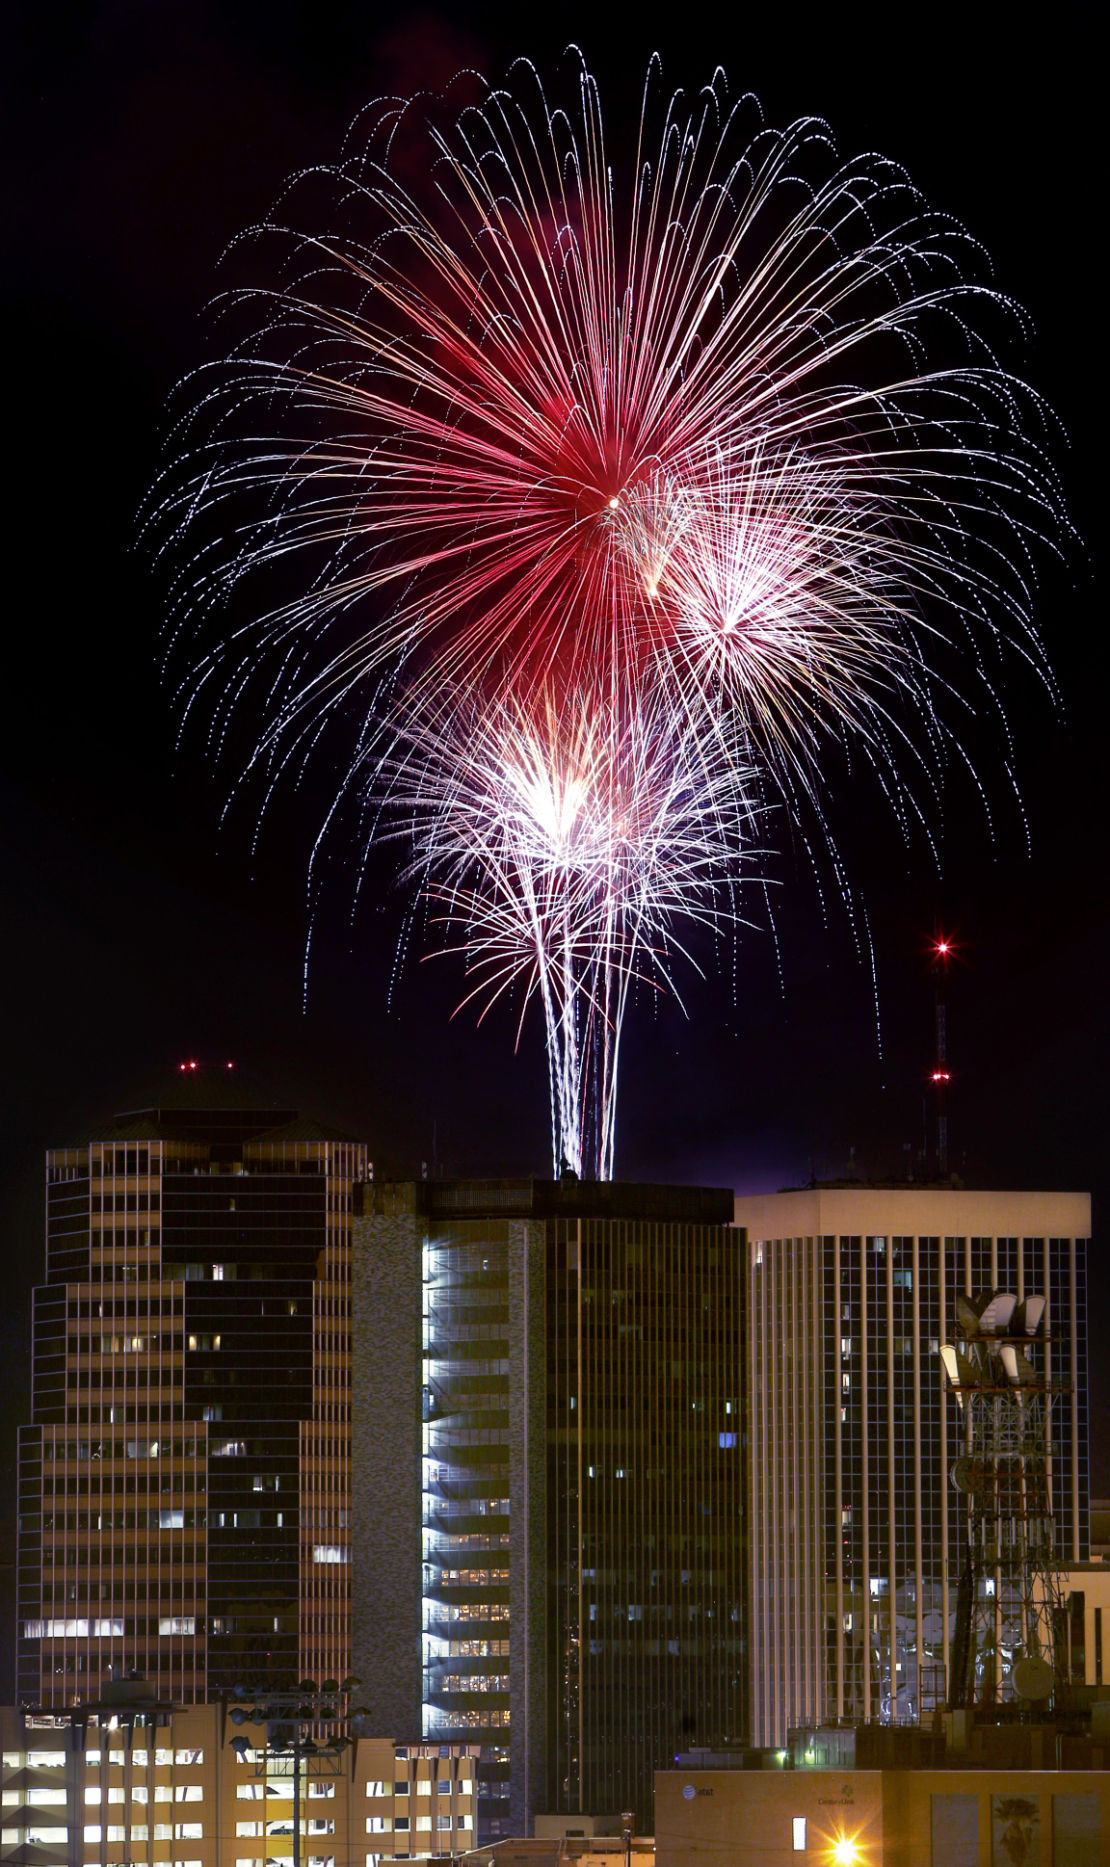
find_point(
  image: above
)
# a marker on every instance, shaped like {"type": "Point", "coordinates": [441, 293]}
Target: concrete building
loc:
{"type": "Point", "coordinates": [1086, 1587]}
{"type": "Point", "coordinates": [190, 1788]}
{"type": "Point", "coordinates": [883, 1818]}
{"type": "Point", "coordinates": [548, 1543]}
{"type": "Point", "coordinates": [185, 1483]}
{"type": "Point", "coordinates": [857, 1534]}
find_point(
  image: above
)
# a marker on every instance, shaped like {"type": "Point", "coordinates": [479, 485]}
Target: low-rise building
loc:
{"type": "Point", "coordinates": [156, 1786]}
{"type": "Point", "coordinates": [882, 1818]}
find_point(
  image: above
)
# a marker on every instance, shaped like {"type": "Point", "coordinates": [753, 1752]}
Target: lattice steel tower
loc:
{"type": "Point", "coordinates": [1009, 1597]}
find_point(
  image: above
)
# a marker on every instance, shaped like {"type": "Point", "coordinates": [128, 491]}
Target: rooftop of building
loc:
{"type": "Point", "coordinates": [208, 1102]}
{"type": "Point", "coordinates": [915, 1207]}
{"type": "Point", "coordinates": [567, 1198]}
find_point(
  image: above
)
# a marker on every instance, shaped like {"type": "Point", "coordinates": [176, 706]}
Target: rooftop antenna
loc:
{"type": "Point", "coordinates": [940, 1075]}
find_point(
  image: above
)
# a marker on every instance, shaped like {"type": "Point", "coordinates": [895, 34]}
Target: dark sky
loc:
{"type": "Point", "coordinates": [145, 137]}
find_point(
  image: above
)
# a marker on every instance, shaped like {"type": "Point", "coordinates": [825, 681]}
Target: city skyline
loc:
{"type": "Point", "coordinates": [590, 1473]}
{"type": "Point", "coordinates": [142, 938]}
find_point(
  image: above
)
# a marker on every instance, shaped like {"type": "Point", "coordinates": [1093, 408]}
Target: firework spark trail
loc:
{"type": "Point", "coordinates": [560, 841]}
{"type": "Point", "coordinates": [674, 452]}
{"type": "Point", "coordinates": [514, 359]}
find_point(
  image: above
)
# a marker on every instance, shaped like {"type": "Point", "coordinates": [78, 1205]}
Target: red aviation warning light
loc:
{"type": "Point", "coordinates": [942, 949]}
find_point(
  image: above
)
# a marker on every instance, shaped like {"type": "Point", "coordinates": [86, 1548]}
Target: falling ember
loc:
{"type": "Point", "coordinates": [415, 428]}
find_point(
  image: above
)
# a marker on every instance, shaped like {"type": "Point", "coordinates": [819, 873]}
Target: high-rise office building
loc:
{"type": "Point", "coordinates": [858, 1534]}
{"type": "Point", "coordinates": [185, 1481]}
{"type": "Point", "coordinates": [548, 1544]}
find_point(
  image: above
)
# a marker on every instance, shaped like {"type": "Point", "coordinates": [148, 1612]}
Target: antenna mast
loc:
{"type": "Point", "coordinates": [940, 1075]}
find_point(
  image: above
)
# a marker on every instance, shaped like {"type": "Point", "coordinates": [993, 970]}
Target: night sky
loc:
{"type": "Point", "coordinates": [139, 931]}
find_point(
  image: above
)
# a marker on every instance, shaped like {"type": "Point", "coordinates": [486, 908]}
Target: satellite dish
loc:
{"type": "Point", "coordinates": [1033, 1677]}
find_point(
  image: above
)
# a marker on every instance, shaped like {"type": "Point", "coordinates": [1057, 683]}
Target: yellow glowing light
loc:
{"type": "Point", "coordinates": [845, 1853]}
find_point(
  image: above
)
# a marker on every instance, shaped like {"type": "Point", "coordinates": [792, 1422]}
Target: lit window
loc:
{"type": "Point", "coordinates": [726, 1441]}
{"type": "Point", "coordinates": [799, 1834]}
{"type": "Point", "coordinates": [329, 1552]}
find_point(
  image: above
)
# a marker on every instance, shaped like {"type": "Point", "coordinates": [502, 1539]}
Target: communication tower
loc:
{"type": "Point", "coordinates": [1009, 1599]}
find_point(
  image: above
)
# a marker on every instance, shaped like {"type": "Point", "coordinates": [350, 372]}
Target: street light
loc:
{"type": "Point", "coordinates": [628, 1819]}
{"type": "Point", "coordinates": [284, 1713]}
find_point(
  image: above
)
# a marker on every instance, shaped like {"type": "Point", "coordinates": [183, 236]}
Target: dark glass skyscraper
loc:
{"type": "Point", "coordinates": [548, 1465]}
{"type": "Point", "coordinates": [184, 1485]}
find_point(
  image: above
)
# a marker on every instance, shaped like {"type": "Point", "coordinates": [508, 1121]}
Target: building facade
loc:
{"type": "Point", "coordinates": [185, 1481]}
{"type": "Point", "coordinates": [548, 1542]}
{"type": "Point", "coordinates": [928, 1817]}
{"type": "Point", "coordinates": [188, 1788]}
{"type": "Point", "coordinates": [858, 1534]}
